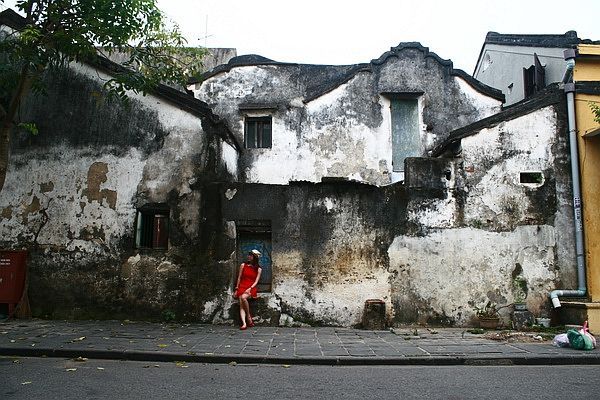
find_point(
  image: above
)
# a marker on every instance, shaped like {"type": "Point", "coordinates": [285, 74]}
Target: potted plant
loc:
{"type": "Point", "coordinates": [488, 316]}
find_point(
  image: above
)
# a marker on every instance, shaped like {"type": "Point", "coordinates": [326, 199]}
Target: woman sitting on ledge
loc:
{"type": "Point", "coordinates": [246, 286]}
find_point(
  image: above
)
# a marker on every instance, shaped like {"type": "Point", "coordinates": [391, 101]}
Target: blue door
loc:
{"type": "Point", "coordinates": [260, 241]}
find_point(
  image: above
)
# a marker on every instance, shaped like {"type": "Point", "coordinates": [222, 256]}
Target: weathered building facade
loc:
{"type": "Point", "coordinates": [402, 179]}
{"type": "Point", "coordinates": [408, 91]}
{"type": "Point", "coordinates": [457, 232]}
{"type": "Point", "coordinates": [107, 198]}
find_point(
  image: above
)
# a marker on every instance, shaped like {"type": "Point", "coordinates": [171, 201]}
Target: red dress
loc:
{"type": "Point", "coordinates": [249, 274]}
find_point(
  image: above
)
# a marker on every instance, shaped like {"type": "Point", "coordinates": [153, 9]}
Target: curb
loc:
{"type": "Point", "coordinates": [135, 355]}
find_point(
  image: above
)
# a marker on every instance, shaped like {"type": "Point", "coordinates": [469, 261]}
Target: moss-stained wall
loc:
{"type": "Point", "coordinates": [335, 121]}
{"type": "Point", "coordinates": [460, 232]}
{"type": "Point", "coordinates": [73, 190]}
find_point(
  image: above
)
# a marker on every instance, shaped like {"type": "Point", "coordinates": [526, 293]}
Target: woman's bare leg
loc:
{"type": "Point", "coordinates": [243, 310]}
{"type": "Point", "coordinates": [246, 306]}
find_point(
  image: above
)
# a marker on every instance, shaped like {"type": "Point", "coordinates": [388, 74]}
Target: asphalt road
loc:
{"type": "Point", "coordinates": [41, 378]}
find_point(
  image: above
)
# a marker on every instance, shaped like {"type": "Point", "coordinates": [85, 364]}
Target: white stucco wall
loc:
{"type": "Point", "coordinates": [57, 180]}
{"type": "Point", "coordinates": [453, 268]}
{"type": "Point", "coordinates": [128, 181]}
{"type": "Point", "coordinates": [344, 133]}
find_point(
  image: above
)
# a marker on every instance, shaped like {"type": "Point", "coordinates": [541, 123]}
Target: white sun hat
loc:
{"type": "Point", "coordinates": [255, 252]}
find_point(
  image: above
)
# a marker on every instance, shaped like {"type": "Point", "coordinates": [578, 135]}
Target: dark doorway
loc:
{"type": "Point", "coordinates": [257, 235]}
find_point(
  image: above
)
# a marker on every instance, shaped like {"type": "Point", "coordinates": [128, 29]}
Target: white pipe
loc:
{"type": "Point", "coordinates": [579, 244]}
{"type": "Point", "coordinates": [569, 70]}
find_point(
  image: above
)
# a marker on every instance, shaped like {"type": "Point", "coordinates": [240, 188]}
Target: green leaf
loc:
{"type": "Point", "coordinates": [29, 127]}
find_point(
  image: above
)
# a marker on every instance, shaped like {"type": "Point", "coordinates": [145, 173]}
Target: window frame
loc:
{"type": "Point", "coordinates": [417, 97]}
{"type": "Point", "coordinates": [259, 140]}
{"type": "Point", "coordinates": [145, 227]}
{"type": "Point", "coordinates": [534, 78]}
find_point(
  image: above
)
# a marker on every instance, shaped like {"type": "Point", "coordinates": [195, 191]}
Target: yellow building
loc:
{"type": "Point", "coordinates": [586, 79]}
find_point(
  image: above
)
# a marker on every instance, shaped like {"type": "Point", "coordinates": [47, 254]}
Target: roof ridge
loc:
{"type": "Point", "coordinates": [257, 60]}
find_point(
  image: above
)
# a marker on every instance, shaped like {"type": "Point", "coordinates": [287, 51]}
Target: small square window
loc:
{"type": "Point", "coordinates": [152, 228]}
{"type": "Point", "coordinates": [257, 132]}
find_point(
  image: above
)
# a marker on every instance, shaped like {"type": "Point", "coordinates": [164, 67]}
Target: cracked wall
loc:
{"type": "Point", "coordinates": [430, 248]}
{"type": "Point", "coordinates": [72, 194]}
{"type": "Point", "coordinates": [342, 132]}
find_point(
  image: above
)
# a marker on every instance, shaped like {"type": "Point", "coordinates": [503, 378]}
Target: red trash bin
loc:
{"type": "Point", "coordinates": [13, 265]}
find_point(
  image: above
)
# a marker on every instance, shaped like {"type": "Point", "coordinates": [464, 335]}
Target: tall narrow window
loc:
{"type": "Point", "coordinates": [152, 227]}
{"type": "Point", "coordinates": [406, 140]}
{"type": "Point", "coordinates": [257, 132]}
{"type": "Point", "coordinates": [534, 77]}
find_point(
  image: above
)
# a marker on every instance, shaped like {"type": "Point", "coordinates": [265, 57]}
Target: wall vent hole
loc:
{"type": "Point", "coordinates": [536, 178]}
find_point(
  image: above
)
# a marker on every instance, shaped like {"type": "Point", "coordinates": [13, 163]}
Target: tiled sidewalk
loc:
{"type": "Point", "coordinates": [322, 345]}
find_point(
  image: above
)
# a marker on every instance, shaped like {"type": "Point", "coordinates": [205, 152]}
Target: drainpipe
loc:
{"type": "Point", "coordinates": [581, 278]}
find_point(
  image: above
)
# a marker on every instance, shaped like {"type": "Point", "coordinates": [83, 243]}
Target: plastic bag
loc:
{"type": "Point", "coordinates": [586, 332]}
{"type": "Point", "coordinates": [581, 339]}
{"type": "Point", "coordinates": [561, 340]}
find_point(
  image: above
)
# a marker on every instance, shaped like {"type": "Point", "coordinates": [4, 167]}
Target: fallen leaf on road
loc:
{"type": "Point", "coordinates": [79, 339]}
{"type": "Point", "coordinates": [80, 359]}
{"type": "Point", "coordinates": [208, 354]}
{"type": "Point", "coordinates": [286, 365]}
{"type": "Point", "coordinates": [26, 383]}
{"type": "Point", "coordinates": [181, 364]}
{"type": "Point", "coordinates": [161, 345]}
{"type": "Point", "coordinates": [33, 345]}
{"type": "Point", "coordinates": [12, 341]}
{"type": "Point", "coordinates": [100, 368]}
{"type": "Point", "coordinates": [156, 366]}
{"type": "Point", "coordinates": [191, 353]}
{"type": "Point", "coordinates": [71, 369]}
{"type": "Point", "coordinates": [16, 361]}
{"type": "Point", "coordinates": [233, 363]}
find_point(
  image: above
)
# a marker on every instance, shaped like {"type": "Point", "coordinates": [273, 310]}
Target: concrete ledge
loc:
{"type": "Point", "coordinates": [579, 358]}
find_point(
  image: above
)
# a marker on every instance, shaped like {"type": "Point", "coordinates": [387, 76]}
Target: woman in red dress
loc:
{"type": "Point", "coordinates": [246, 286]}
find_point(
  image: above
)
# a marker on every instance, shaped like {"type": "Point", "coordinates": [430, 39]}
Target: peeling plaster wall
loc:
{"type": "Point", "coordinates": [439, 278]}
{"type": "Point", "coordinates": [343, 132]}
{"type": "Point", "coordinates": [490, 228]}
{"type": "Point", "coordinates": [459, 233]}
{"type": "Point", "coordinates": [329, 245]}
{"type": "Point", "coordinates": [72, 192]}
{"type": "Point", "coordinates": [456, 234]}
